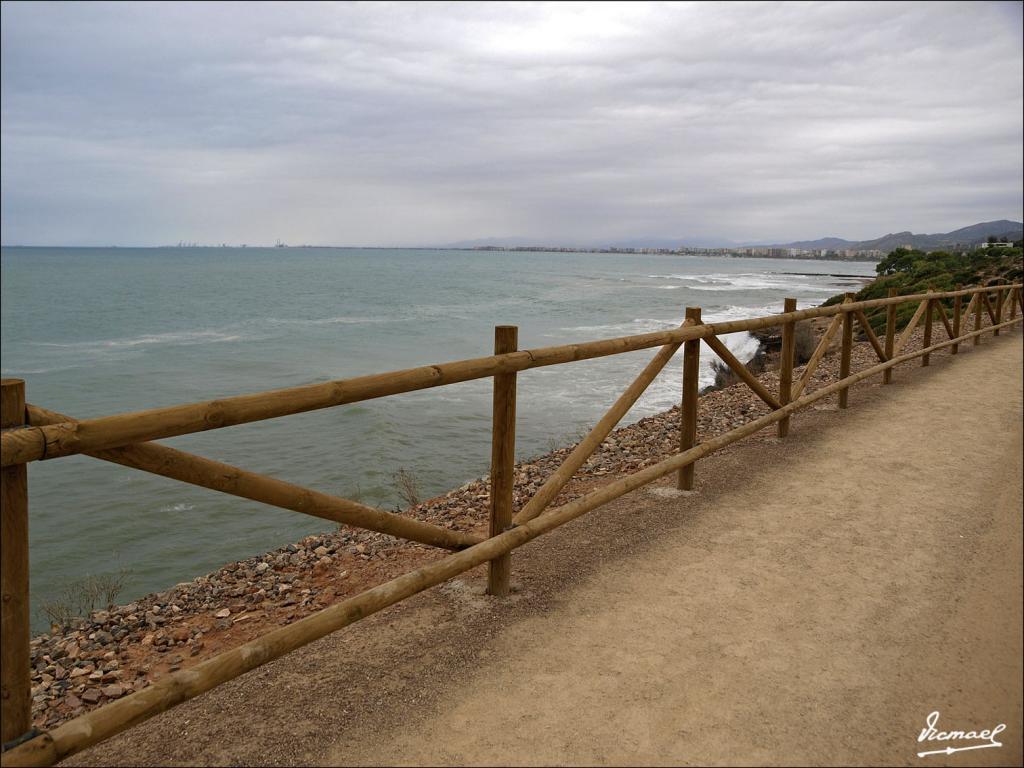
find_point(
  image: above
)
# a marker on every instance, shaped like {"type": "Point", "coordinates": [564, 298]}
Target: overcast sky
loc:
{"type": "Point", "coordinates": [425, 124]}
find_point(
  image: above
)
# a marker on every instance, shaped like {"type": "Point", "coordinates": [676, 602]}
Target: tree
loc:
{"type": "Point", "coordinates": [900, 260]}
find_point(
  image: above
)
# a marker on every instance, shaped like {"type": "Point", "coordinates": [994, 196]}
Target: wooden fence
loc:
{"type": "Point", "coordinates": [32, 434]}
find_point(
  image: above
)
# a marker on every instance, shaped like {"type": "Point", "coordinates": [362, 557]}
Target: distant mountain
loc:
{"type": "Point", "coordinates": [963, 237]}
{"type": "Point", "coordinates": [831, 243]}
{"type": "Point", "coordinates": [647, 242]}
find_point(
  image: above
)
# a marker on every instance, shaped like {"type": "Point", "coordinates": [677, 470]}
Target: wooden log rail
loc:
{"type": "Point", "coordinates": [125, 440]}
{"type": "Point", "coordinates": [217, 476]}
{"type": "Point", "coordinates": [20, 446]}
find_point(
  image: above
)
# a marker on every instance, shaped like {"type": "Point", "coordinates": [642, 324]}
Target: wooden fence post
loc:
{"type": "Point", "coordinates": [503, 457]}
{"type": "Point", "coordinates": [927, 340]}
{"type": "Point", "coordinates": [786, 364]}
{"type": "Point", "coordinates": [844, 359]}
{"type": "Point", "coordinates": [957, 308]}
{"type": "Point", "coordinates": [890, 335]}
{"type": "Point", "coordinates": [1014, 296]}
{"type": "Point", "coordinates": [15, 664]}
{"type": "Point", "coordinates": [688, 411]}
{"type": "Point", "coordinates": [999, 309]}
{"type": "Point", "coordinates": [977, 318]}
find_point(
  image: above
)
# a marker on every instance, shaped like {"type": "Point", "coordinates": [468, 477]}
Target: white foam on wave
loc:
{"type": "Point", "coordinates": [748, 281]}
{"type": "Point", "coordinates": [181, 506]}
{"type": "Point", "coordinates": [733, 312]}
{"type": "Point", "coordinates": [19, 372]}
{"type": "Point", "coordinates": [341, 320]}
{"type": "Point", "coordinates": [649, 324]}
{"type": "Point", "coordinates": [605, 379]}
{"type": "Point", "coordinates": [635, 326]}
{"type": "Point", "coordinates": [664, 392]}
{"type": "Point", "coordinates": [174, 337]}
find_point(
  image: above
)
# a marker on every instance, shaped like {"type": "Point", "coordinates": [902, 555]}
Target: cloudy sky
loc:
{"type": "Point", "coordinates": [411, 124]}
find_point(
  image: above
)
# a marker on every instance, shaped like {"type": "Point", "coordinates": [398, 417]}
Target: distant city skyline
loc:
{"type": "Point", "coordinates": [420, 125]}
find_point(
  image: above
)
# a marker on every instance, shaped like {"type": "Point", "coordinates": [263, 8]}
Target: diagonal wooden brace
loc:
{"type": "Point", "coordinates": [819, 353]}
{"type": "Point", "coordinates": [741, 370]}
{"type": "Point", "coordinates": [217, 476]}
{"type": "Point", "coordinates": [909, 330]}
{"type": "Point", "coordinates": [866, 327]}
{"type": "Point", "coordinates": [988, 307]}
{"type": "Point", "coordinates": [561, 476]}
{"type": "Point", "coordinates": [945, 319]}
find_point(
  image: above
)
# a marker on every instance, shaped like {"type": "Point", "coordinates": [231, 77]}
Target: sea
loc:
{"type": "Point", "coordinates": [100, 331]}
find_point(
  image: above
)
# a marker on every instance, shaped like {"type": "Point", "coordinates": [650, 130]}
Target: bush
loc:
{"type": "Point", "coordinates": [80, 598]}
{"type": "Point", "coordinates": [407, 486]}
{"type": "Point", "coordinates": [804, 343]}
{"type": "Point", "coordinates": [913, 272]}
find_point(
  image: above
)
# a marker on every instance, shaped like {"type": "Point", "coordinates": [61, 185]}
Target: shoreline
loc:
{"type": "Point", "coordinates": [115, 652]}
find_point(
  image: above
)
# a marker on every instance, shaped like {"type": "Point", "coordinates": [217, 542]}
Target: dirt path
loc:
{"type": "Point", "coordinates": [811, 603]}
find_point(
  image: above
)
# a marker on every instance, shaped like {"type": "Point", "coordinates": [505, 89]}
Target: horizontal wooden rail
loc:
{"type": "Point", "coordinates": [19, 446]}
{"type": "Point", "coordinates": [217, 476]}
{"type": "Point", "coordinates": [93, 727]}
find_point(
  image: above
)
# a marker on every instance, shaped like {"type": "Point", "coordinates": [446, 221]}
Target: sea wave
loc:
{"type": "Point", "coordinates": [181, 506]}
{"type": "Point", "coordinates": [149, 339]}
{"type": "Point", "coordinates": [745, 281]}
{"type": "Point", "coordinates": [634, 326]}
{"type": "Point", "coordinates": [19, 372]}
{"type": "Point", "coordinates": [341, 320]}
{"type": "Point", "coordinates": [648, 324]}
{"type": "Point", "coordinates": [734, 312]}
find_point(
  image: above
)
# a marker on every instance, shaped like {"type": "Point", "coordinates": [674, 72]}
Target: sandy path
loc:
{"type": "Point", "coordinates": [816, 615]}
{"type": "Point", "coordinates": [811, 603]}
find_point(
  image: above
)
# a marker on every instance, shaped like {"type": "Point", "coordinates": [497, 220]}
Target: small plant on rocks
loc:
{"type": "Point", "coordinates": [81, 597]}
{"type": "Point", "coordinates": [407, 486]}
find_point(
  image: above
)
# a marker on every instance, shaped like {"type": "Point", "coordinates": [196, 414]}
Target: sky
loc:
{"type": "Point", "coordinates": [428, 124]}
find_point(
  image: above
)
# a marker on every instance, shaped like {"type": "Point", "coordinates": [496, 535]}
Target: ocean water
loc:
{"type": "Point", "coordinates": [101, 331]}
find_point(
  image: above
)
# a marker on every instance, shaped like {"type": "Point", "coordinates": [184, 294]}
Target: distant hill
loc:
{"type": "Point", "coordinates": [963, 237]}
{"type": "Point", "coordinates": [831, 243]}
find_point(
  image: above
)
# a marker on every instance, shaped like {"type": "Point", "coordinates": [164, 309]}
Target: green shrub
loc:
{"type": "Point", "coordinates": [915, 272]}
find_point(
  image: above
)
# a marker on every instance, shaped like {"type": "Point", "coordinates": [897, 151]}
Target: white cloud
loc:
{"type": "Point", "coordinates": [426, 123]}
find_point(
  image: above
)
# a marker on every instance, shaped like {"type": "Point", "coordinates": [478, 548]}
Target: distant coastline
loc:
{"type": "Point", "coordinates": [959, 241]}
{"type": "Point", "coordinates": [733, 253]}
{"type": "Point", "coordinates": [744, 253]}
